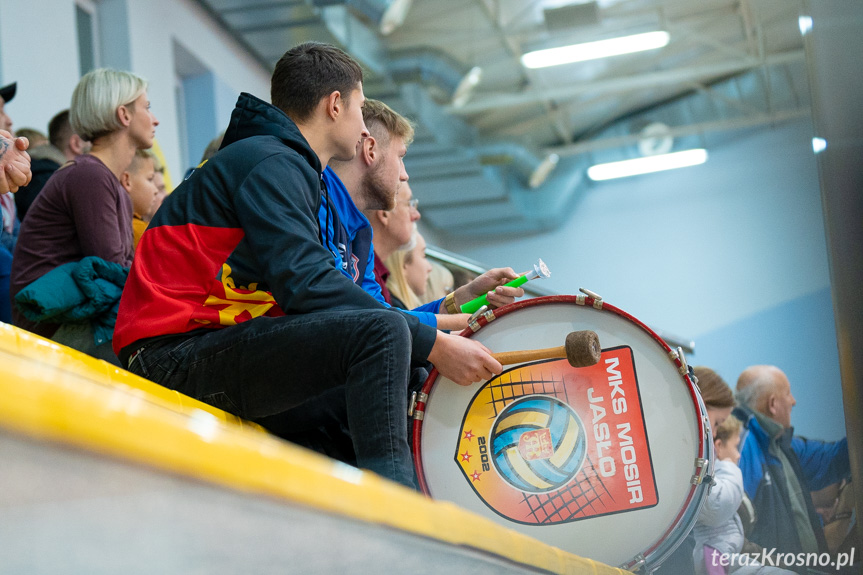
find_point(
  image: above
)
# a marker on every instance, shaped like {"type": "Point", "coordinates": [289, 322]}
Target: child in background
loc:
{"type": "Point", "coordinates": [719, 526]}
{"type": "Point", "coordinates": [138, 182]}
{"type": "Point", "coordinates": [161, 189]}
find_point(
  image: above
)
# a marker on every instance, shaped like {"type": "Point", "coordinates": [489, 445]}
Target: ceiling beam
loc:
{"type": "Point", "coordinates": [279, 25]}
{"type": "Point", "coordinates": [224, 25]}
{"type": "Point", "coordinates": [684, 75]}
{"type": "Point", "coordinates": [262, 6]}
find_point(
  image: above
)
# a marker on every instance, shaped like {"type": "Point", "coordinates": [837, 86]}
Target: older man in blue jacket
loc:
{"type": "Point", "coordinates": [779, 469]}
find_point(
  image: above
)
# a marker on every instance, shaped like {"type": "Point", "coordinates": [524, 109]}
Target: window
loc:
{"type": "Point", "coordinates": [88, 41]}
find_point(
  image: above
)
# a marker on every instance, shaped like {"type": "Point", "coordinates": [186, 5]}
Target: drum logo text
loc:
{"type": "Point", "coordinates": [483, 452]}
{"type": "Point", "coordinates": [556, 444]}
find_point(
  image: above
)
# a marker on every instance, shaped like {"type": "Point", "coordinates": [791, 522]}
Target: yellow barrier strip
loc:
{"type": "Point", "coordinates": [53, 356]}
{"type": "Point", "coordinates": [50, 392]}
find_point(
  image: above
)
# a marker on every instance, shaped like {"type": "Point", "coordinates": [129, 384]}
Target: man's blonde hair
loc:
{"type": "Point", "coordinates": [383, 122]}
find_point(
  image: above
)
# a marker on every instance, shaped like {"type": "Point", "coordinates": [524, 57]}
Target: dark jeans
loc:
{"type": "Point", "coordinates": [321, 424]}
{"type": "Point", "coordinates": [80, 336]}
{"type": "Point", "coordinates": [275, 366]}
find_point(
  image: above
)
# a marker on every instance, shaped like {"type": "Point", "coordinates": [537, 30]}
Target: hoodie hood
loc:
{"type": "Point", "coordinates": [47, 152]}
{"type": "Point", "coordinates": [254, 117]}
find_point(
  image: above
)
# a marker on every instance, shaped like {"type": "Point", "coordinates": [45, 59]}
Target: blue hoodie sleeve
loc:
{"type": "Point", "coordinates": [824, 463]}
{"type": "Point", "coordinates": [431, 307]}
{"type": "Point", "coordinates": [424, 317]}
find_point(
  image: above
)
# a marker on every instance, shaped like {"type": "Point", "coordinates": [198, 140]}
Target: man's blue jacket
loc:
{"type": "Point", "coordinates": [816, 465]}
{"type": "Point", "coordinates": [349, 238]}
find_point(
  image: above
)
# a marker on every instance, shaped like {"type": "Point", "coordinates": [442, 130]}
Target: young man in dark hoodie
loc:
{"type": "Point", "coordinates": [234, 299]}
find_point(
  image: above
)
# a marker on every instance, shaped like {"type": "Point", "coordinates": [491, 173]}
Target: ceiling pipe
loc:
{"type": "Point", "coordinates": [533, 169]}
{"type": "Point", "coordinates": [436, 69]}
{"type": "Point", "coordinates": [386, 15]}
{"type": "Point", "coordinates": [496, 201]}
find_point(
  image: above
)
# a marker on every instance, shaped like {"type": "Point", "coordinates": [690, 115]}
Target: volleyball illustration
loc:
{"type": "Point", "coordinates": [538, 444]}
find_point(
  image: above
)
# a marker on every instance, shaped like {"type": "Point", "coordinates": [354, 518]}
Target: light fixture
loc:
{"type": "Point", "coordinates": [394, 16]}
{"type": "Point", "coordinates": [647, 165]}
{"type": "Point", "coordinates": [594, 50]}
{"type": "Point", "coordinates": [819, 145]}
{"type": "Point", "coordinates": [542, 171]}
{"type": "Point", "coordinates": [805, 23]}
{"type": "Point", "coordinates": [466, 86]}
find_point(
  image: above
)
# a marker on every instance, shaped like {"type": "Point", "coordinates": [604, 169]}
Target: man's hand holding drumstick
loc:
{"type": "Point", "coordinates": [460, 359]}
{"type": "Point", "coordinates": [465, 361]}
{"type": "Point", "coordinates": [489, 284]}
{"type": "Point", "coordinates": [496, 288]}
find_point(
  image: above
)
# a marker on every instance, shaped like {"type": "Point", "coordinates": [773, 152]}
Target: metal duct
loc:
{"type": "Point", "coordinates": [386, 15]}
{"type": "Point", "coordinates": [496, 201]}
{"type": "Point", "coordinates": [532, 168]}
{"type": "Point", "coordinates": [430, 68]}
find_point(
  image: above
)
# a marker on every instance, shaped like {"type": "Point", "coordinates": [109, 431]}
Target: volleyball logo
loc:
{"type": "Point", "coordinates": [538, 444]}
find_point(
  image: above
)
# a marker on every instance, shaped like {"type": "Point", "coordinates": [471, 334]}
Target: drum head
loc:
{"type": "Point", "coordinates": [595, 460]}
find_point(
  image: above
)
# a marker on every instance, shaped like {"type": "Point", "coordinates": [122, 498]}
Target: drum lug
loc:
{"type": "Point", "coordinates": [483, 312]}
{"type": "Point", "coordinates": [637, 563]}
{"type": "Point", "coordinates": [597, 299]}
{"type": "Point", "coordinates": [417, 414]}
{"type": "Point", "coordinates": [700, 471]}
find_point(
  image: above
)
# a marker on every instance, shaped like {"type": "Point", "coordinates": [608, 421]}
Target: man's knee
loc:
{"type": "Point", "coordinates": [390, 326]}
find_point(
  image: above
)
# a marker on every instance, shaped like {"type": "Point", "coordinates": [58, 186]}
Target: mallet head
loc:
{"type": "Point", "coordinates": [582, 348]}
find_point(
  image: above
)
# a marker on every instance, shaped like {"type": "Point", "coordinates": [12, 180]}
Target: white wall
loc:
{"type": "Point", "coordinates": [155, 24]}
{"type": "Point", "coordinates": [45, 60]}
{"type": "Point", "coordinates": [39, 50]}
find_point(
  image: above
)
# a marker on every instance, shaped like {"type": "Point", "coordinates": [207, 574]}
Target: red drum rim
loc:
{"type": "Point", "coordinates": [584, 301]}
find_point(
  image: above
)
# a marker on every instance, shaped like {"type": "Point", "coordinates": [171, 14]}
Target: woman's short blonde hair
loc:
{"type": "Point", "coordinates": [97, 96]}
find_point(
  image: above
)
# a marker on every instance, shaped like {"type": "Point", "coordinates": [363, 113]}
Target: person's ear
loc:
{"type": "Point", "coordinates": [124, 115]}
{"type": "Point", "coordinates": [771, 405]}
{"type": "Point", "coordinates": [383, 217]}
{"type": "Point", "coordinates": [126, 181]}
{"type": "Point", "coordinates": [369, 150]}
{"type": "Point", "coordinates": [76, 144]}
{"type": "Point", "coordinates": [334, 104]}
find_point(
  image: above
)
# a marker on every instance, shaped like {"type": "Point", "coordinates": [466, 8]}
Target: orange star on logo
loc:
{"type": "Point", "coordinates": [475, 475]}
{"type": "Point", "coordinates": [466, 456]}
{"type": "Point", "coordinates": [468, 435]}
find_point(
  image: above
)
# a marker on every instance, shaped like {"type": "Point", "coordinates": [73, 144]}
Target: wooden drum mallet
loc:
{"type": "Point", "coordinates": [580, 350]}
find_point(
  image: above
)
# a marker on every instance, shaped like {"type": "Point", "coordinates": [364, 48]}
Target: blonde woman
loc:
{"type": "Point", "coordinates": [83, 210]}
{"type": "Point", "coordinates": [406, 265]}
{"type": "Point", "coordinates": [409, 273]}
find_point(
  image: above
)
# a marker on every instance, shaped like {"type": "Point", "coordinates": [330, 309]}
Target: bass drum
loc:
{"type": "Point", "coordinates": [605, 462]}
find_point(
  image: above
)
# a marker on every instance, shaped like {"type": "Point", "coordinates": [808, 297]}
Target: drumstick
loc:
{"type": "Point", "coordinates": [540, 270]}
{"type": "Point", "coordinates": [580, 350]}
